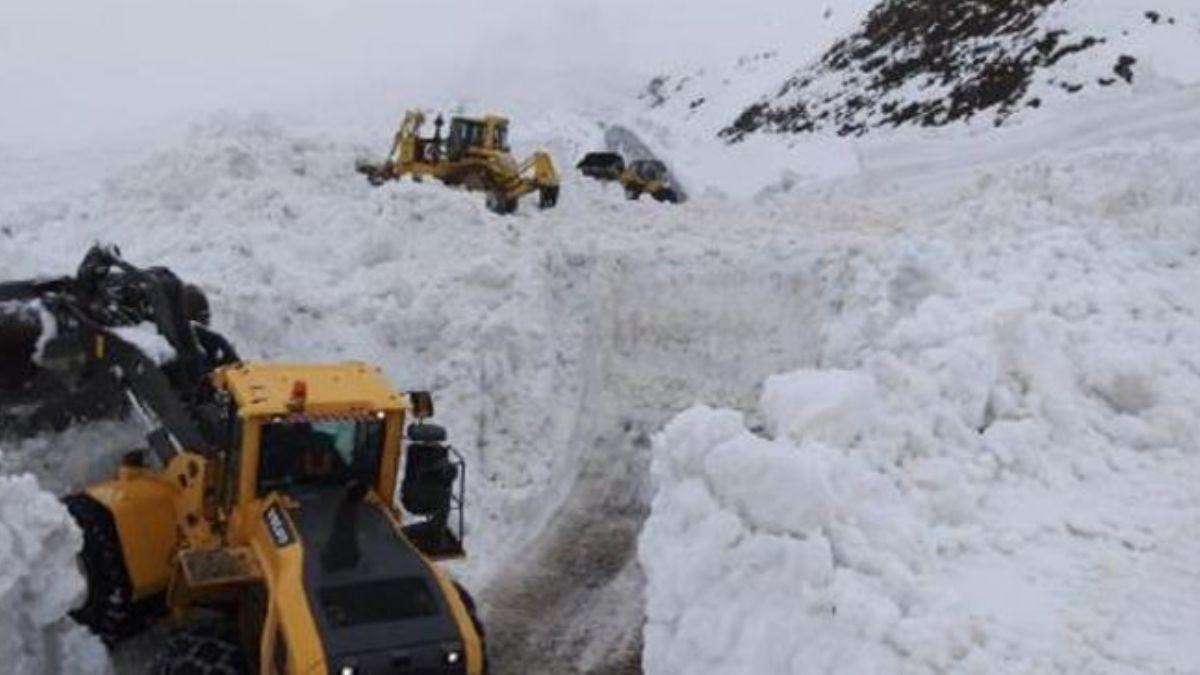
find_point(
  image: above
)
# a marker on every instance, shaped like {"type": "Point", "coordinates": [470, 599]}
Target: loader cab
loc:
{"type": "Point", "coordinates": [338, 427]}
{"type": "Point", "coordinates": [312, 426]}
{"type": "Point", "coordinates": [297, 453]}
{"type": "Point", "coordinates": [488, 134]}
{"type": "Point", "coordinates": [316, 473]}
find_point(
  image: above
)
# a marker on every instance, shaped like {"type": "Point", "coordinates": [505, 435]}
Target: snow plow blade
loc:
{"type": "Point", "coordinates": [377, 174]}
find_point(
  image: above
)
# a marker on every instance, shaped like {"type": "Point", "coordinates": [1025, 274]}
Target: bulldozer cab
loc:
{"type": "Point", "coordinates": [488, 134]}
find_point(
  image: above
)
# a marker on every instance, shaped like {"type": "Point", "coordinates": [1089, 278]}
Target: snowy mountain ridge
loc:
{"type": "Point", "coordinates": [931, 64]}
{"type": "Point", "coordinates": [946, 377]}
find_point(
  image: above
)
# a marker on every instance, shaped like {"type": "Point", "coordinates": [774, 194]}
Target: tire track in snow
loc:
{"type": "Point", "coordinates": [662, 341]}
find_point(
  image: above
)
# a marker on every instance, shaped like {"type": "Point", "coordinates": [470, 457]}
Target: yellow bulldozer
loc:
{"type": "Point", "coordinates": [474, 154]}
{"type": "Point", "coordinates": [261, 519]}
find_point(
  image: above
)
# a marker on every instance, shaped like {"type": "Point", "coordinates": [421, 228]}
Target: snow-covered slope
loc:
{"type": "Point", "coordinates": [908, 66]}
{"type": "Point", "coordinates": [977, 346]}
{"type": "Point", "coordinates": [991, 467]}
{"type": "Point", "coordinates": [555, 342]}
{"type": "Point", "coordinates": [923, 62]}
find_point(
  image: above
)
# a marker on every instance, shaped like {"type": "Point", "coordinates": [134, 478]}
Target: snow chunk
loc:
{"type": "Point", "coordinates": [148, 340]}
{"type": "Point", "coordinates": [49, 330]}
{"type": "Point", "coordinates": [833, 407]}
{"type": "Point", "coordinates": [40, 583]}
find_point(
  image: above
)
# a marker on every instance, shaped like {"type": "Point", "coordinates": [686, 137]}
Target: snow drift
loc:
{"type": "Point", "coordinates": [39, 583]}
{"type": "Point", "coordinates": [992, 468]}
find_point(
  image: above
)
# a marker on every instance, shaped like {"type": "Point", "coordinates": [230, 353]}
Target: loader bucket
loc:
{"type": "Point", "coordinates": [601, 165]}
{"type": "Point", "coordinates": [20, 329]}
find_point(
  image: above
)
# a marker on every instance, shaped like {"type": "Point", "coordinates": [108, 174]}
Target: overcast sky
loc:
{"type": "Point", "coordinates": [70, 69]}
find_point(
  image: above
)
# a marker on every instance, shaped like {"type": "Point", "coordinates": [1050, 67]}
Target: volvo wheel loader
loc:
{"type": "Point", "coordinates": [474, 154]}
{"type": "Point", "coordinates": [642, 176]}
{"type": "Point", "coordinates": [261, 517]}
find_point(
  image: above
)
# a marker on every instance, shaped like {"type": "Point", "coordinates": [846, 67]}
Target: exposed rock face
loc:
{"type": "Point", "coordinates": [928, 63]}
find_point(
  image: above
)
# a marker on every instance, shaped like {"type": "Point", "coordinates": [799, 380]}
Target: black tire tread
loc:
{"type": "Point", "coordinates": [207, 648]}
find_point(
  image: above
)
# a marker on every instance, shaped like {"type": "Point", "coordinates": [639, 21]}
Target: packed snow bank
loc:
{"type": "Point", "coordinates": [553, 340]}
{"type": "Point", "coordinates": [992, 470]}
{"type": "Point", "coordinates": [39, 583]}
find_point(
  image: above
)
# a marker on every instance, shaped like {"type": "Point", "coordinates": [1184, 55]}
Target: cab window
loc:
{"type": "Point", "coordinates": [318, 452]}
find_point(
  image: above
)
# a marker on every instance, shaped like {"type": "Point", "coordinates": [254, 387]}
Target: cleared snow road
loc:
{"type": "Point", "coordinates": [555, 341]}
{"type": "Point", "coordinates": [662, 335]}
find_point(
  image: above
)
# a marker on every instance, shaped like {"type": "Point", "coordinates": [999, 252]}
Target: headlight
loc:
{"type": "Point", "coordinates": [347, 670]}
{"type": "Point", "coordinates": [453, 656]}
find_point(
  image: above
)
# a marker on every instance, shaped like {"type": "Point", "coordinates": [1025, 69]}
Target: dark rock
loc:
{"type": "Point", "coordinates": [964, 59]}
{"type": "Point", "coordinates": [1124, 68]}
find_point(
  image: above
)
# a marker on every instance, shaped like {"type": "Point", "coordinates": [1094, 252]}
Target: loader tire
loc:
{"type": "Point", "coordinates": [209, 648]}
{"type": "Point", "coordinates": [469, 602]}
{"type": "Point", "coordinates": [109, 610]}
{"type": "Point", "coordinates": [632, 194]}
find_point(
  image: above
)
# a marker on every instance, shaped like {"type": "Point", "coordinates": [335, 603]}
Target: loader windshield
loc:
{"type": "Point", "coordinates": [318, 452]}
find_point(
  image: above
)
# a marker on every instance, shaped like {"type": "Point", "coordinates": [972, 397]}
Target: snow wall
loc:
{"type": "Point", "coordinates": [39, 584]}
{"type": "Point", "coordinates": [991, 470]}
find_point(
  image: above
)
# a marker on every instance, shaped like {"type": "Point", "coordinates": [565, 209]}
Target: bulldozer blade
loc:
{"type": "Point", "coordinates": [376, 173]}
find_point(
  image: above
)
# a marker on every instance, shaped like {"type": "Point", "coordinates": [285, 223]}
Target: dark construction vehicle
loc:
{"type": "Point", "coordinates": [262, 514]}
{"type": "Point", "coordinates": [641, 176]}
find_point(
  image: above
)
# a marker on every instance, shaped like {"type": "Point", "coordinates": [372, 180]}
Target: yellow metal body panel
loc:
{"type": "Point", "coordinates": [143, 508]}
{"type": "Point", "coordinates": [156, 512]}
{"type": "Point", "coordinates": [472, 645]}
{"type": "Point", "coordinates": [262, 389]}
{"type": "Point", "coordinates": [288, 611]}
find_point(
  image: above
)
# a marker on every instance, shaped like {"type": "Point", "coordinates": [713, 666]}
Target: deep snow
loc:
{"type": "Point", "coordinates": [39, 583]}
{"type": "Point", "coordinates": [991, 470]}
{"type": "Point", "coordinates": [972, 448]}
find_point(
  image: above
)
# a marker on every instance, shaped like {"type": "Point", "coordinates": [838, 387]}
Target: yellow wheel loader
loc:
{"type": "Point", "coordinates": [261, 519]}
{"type": "Point", "coordinates": [642, 176]}
{"type": "Point", "coordinates": [474, 154]}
